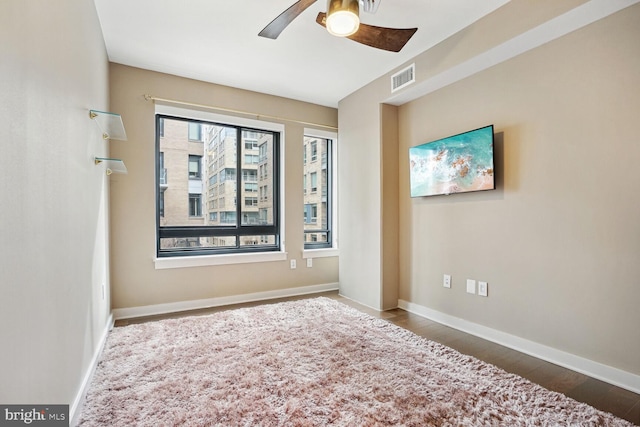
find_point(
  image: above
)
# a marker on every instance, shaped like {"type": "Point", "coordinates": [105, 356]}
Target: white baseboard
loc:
{"type": "Point", "coordinates": [174, 307]}
{"type": "Point", "coordinates": [76, 408]}
{"type": "Point", "coordinates": [605, 373]}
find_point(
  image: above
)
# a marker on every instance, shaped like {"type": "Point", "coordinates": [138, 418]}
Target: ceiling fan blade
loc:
{"type": "Point", "coordinates": [275, 27]}
{"type": "Point", "coordinates": [391, 39]}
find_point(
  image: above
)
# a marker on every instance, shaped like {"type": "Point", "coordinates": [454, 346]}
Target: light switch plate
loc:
{"type": "Point", "coordinates": [446, 281]}
{"type": "Point", "coordinates": [471, 286]}
{"type": "Point", "coordinates": [483, 289]}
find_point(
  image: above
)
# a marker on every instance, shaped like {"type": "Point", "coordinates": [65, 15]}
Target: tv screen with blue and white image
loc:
{"type": "Point", "coordinates": [456, 164]}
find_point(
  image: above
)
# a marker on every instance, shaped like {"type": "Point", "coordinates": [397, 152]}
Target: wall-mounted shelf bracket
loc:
{"type": "Point", "coordinates": [110, 124]}
{"type": "Point", "coordinates": [113, 165]}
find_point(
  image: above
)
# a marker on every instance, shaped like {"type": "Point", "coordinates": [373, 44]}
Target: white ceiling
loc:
{"type": "Point", "coordinates": [217, 41]}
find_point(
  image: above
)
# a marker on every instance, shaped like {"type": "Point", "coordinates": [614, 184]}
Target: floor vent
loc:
{"type": "Point", "coordinates": [403, 78]}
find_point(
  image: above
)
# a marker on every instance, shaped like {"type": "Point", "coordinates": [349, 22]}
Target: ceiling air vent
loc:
{"type": "Point", "coordinates": [403, 78]}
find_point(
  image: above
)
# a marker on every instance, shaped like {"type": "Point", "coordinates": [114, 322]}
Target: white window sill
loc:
{"type": "Point", "coordinates": [320, 253]}
{"type": "Point", "coordinates": [226, 259]}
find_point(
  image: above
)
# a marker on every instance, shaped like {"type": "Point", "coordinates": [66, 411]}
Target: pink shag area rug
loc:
{"type": "Point", "coordinates": [308, 363]}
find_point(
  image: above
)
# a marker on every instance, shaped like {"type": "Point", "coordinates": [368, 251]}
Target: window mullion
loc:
{"type": "Point", "coordinates": [239, 151]}
{"type": "Point", "coordinates": [275, 152]}
{"type": "Point", "coordinates": [329, 174]}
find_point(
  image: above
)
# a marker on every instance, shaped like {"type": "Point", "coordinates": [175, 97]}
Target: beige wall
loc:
{"type": "Point", "coordinates": [390, 198]}
{"type": "Point", "coordinates": [558, 241]}
{"type": "Point", "coordinates": [359, 198]}
{"type": "Point", "coordinates": [135, 280]}
{"type": "Point", "coordinates": [362, 144]}
{"type": "Point", "coordinates": [54, 210]}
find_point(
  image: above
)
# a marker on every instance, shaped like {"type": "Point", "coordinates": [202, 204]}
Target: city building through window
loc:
{"type": "Point", "coordinates": [217, 188]}
{"type": "Point", "coordinates": [318, 196]}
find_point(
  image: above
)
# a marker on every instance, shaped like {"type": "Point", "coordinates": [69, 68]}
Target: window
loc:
{"type": "Point", "coordinates": [251, 159]}
{"type": "Point", "coordinates": [217, 207]}
{"type": "Point", "coordinates": [227, 174]}
{"type": "Point", "coordinates": [194, 167]}
{"type": "Point", "coordinates": [318, 200]}
{"type": "Point", "coordinates": [310, 213]}
{"type": "Point", "coordinates": [264, 192]}
{"type": "Point", "coordinates": [250, 175]}
{"type": "Point", "coordinates": [264, 150]}
{"type": "Point", "coordinates": [314, 182]}
{"type": "Point", "coordinates": [195, 131]}
{"type": "Point", "coordinates": [162, 170]}
{"type": "Point", "coordinates": [250, 144]}
{"type": "Point", "coordinates": [195, 204]}
{"type": "Point", "coordinates": [228, 217]}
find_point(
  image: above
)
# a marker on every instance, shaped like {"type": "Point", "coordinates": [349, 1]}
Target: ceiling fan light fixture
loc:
{"type": "Point", "coordinates": [342, 17]}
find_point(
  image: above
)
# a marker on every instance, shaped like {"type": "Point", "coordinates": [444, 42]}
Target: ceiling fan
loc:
{"type": "Point", "coordinates": [342, 19]}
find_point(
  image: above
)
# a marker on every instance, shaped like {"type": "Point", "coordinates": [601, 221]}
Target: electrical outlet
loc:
{"type": "Point", "coordinates": [471, 286]}
{"type": "Point", "coordinates": [309, 262]}
{"type": "Point", "coordinates": [447, 281]}
{"type": "Point", "coordinates": [293, 264]}
{"type": "Point", "coordinates": [483, 289]}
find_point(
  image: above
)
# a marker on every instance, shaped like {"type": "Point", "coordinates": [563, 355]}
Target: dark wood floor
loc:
{"type": "Point", "coordinates": [598, 394]}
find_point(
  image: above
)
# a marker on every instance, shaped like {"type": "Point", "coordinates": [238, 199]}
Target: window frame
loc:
{"type": "Point", "coordinates": [238, 229]}
{"type": "Point", "coordinates": [330, 247]}
{"type": "Point", "coordinates": [189, 132]}
{"type": "Point", "coordinates": [194, 158]}
{"type": "Point", "coordinates": [197, 197]}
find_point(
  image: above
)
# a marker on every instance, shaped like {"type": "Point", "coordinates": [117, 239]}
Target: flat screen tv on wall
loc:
{"type": "Point", "coordinates": [457, 164]}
